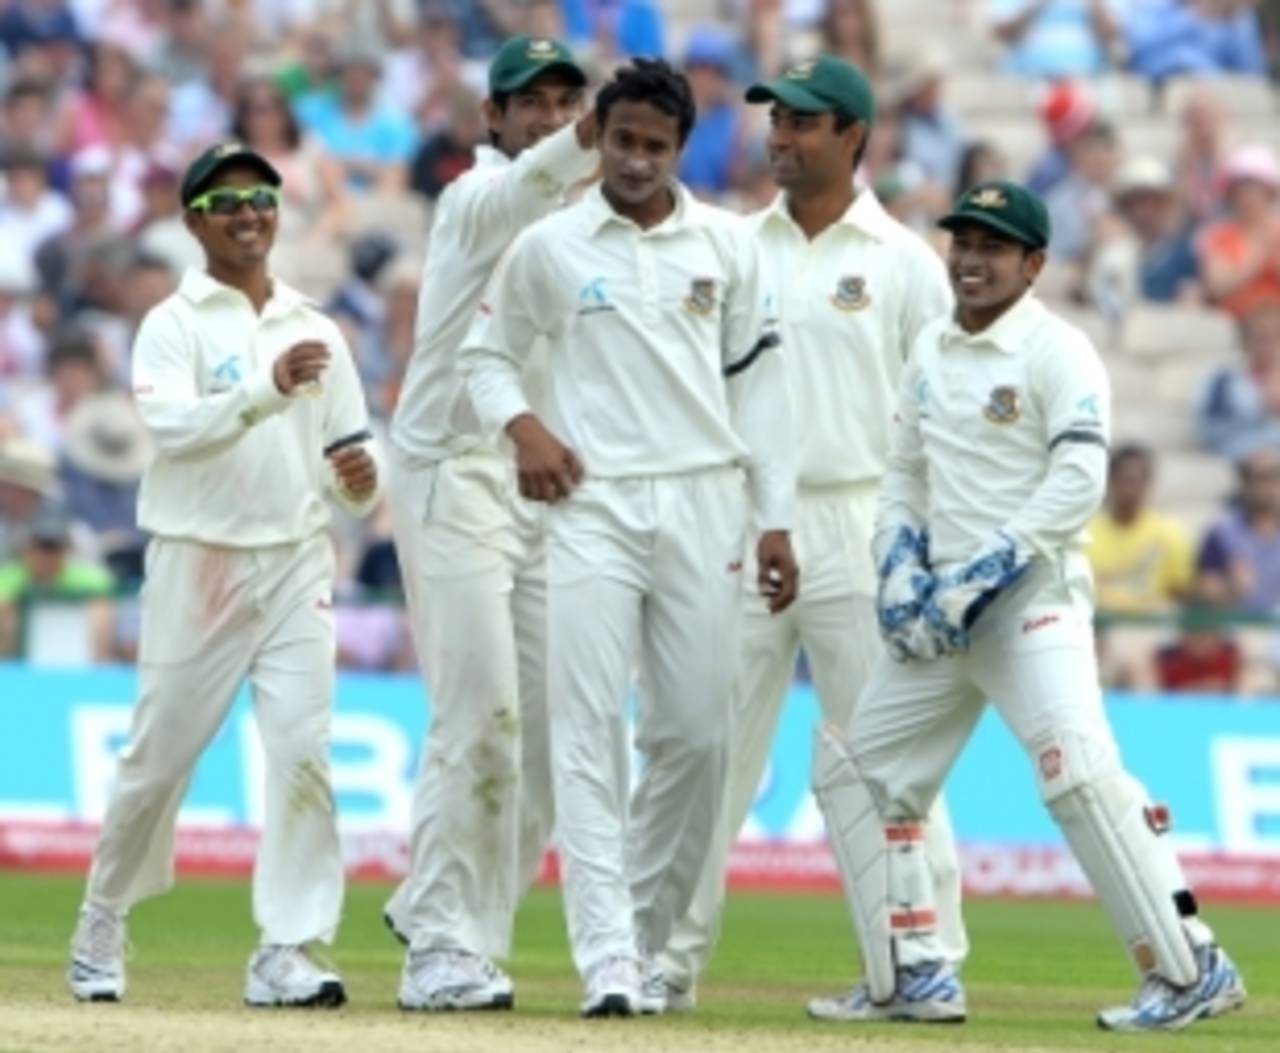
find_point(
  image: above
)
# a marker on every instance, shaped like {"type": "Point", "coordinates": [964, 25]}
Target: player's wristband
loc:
{"type": "Point", "coordinates": [354, 439]}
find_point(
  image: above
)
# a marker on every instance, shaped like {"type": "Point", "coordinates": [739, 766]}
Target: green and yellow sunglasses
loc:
{"type": "Point", "coordinates": [226, 200]}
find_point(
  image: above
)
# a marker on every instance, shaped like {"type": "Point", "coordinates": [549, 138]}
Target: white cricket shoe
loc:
{"type": "Point", "coordinates": [931, 993]}
{"type": "Point", "coordinates": [659, 995]}
{"type": "Point", "coordinates": [439, 980]}
{"type": "Point", "coordinates": [613, 988]}
{"type": "Point", "coordinates": [285, 975]}
{"type": "Point", "coordinates": [1161, 1006]}
{"type": "Point", "coordinates": [96, 973]}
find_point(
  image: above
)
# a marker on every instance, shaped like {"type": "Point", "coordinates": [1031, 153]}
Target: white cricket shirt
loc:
{"type": "Point", "coordinates": [852, 302]}
{"type": "Point", "coordinates": [237, 463]}
{"type": "Point", "coordinates": [642, 327]}
{"type": "Point", "coordinates": [1006, 429]}
{"type": "Point", "coordinates": [476, 219]}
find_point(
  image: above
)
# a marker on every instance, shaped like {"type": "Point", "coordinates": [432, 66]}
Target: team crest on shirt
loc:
{"type": "Point", "coordinates": [1003, 406]}
{"type": "Point", "coordinates": [702, 296]}
{"type": "Point", "coordinates": [851, 293]}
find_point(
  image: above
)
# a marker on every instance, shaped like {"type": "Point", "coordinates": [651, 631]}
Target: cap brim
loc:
{"type": "Point", "coordinates": [960, 219]}
{"type": "Point", "coordinates": [790, 95]}
{"type": "Point", "coordinates": [247, 159]}
{"type": "Point", "coordinates": [576, 75]}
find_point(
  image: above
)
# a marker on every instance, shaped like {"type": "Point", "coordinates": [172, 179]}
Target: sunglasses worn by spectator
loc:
{"type": "Point", "coordinates": [226, 200]}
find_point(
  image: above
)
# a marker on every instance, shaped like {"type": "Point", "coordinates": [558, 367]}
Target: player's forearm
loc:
{"type": "Point", "coordinates": [762, 420]}
{"type": "Point", "coordinates": [361, 504]}
{"type": "Point", "coordinates": [493, 386]}
{"type": "Point", "coordinates": [183, 427]}
{"type": "Point", "coordinates": [536, 181]}
{"type": "Point", "coordinates": [1065, 501]}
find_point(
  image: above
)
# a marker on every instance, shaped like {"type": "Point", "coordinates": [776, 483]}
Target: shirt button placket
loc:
{"type": "Point", "coordinates": [649, 305]}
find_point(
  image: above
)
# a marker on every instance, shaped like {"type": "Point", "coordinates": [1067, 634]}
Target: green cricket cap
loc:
{"type": "Point", "coordinates": [201, 172]}
{"type": "Point", "coordinates": [1008, 208]}
{"type": "Point", "coordinates": [823, 85]}
{"type": "Point", "coordinates": [522, 58]}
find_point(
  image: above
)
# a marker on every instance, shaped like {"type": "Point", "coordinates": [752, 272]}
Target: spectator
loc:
{"type": "Point", "coordinates": [96, 112]}
{"type": "Point", "coordinates": [1239, 408]}
{"type": "Point", "coordinates": [399, 285]}
{"type": "Point", "coordinates": [30, 211]}
{"type": "Point", "coordinates": [851, 31]}
{"type": "Point", "coordinates": [1239, 561]}
{"type": "Point", "coordinates": [74, 372]}
{"type": "Point", "coordinates": [47, 567]}
{"type": "Point", "coordinates": [448, 152]}
{"type": "Point", "coordinates": [1204, 658]}
{"type": "Point", "coordinates": [1151, 254]}
{"type": "Point", "coordinates": [26, 480]}
{"type": "Point", "coordinates": [21, 343]}
{"type": "Point", "coordinates": [60, 258]}
{"type": "Point", "coordinates": [359, 300]}
{"type": "Point", "coordinates": [315, 71]}
{"type": "Point", "coordinates": [1200, 154]}
{"type": "Point", "coordinates": [202, 109]}
{"type": "Point", "coordinates": [1142, 559]}
{"type": "Point", "coordinates": [317, 205]}
{"type": "Point", "coordinates": [104, 455]}
{"type": "Point", "coordinates": [161, 231]}
{"type": "Point", "coordinates": [426, 78]}
{"type": "Point", "coordinates": [933, 138]}
{"type": "Point", "coordinates": [145, 143]}
{"type": "Point", "coordinates": [623, 28]}
{"type": "Point", "coordinates": [28, 118]}
{"type": "Point", "coordinates": [183, 56]}
{"type": "Point", "coordinates": [1168, 38]}
{"type": "Point", "coordinates": [981, 162]}
{"type": "Point", "coordinates": [1240, 254]}
{"type": "Point", "coordinates": [371, 143]}
{"type": "Point", "coordinates": [1083, 197]}
{"type": "Point", "coordinates": [1067, 111]}
{"type": "Point", "coordinates": [24, 23]}
{"type": "Point", "coordinates": [1056, 38]}
{"type": "Point", "coordinates": [714, 147]}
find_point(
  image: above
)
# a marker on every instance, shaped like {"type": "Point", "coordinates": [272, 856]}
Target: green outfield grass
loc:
{"type": "Point", "coordinates": [1038, 972]}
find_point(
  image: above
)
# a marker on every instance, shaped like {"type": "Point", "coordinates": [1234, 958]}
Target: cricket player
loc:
{"type": "Point", "coordinates": [997, 462]}
{"type": "Point", "coordinates": [473, 560]}
{"type": "Point", "coordinates": [253, 400]}
{"type": "Point", "coordinates": [665, 385]}
{"type": "Point", "coordinates": [855, 289]}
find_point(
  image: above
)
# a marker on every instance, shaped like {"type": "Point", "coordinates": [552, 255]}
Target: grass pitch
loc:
{"type": "Point", "coordinates": [1038, 972]}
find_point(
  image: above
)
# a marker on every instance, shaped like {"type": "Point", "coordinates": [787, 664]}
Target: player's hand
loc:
{"type": "Point", "coordinates": [778, 576]}
{"type": "Point", "coordinates": [964, 593]}
{"type": "Point", "coordinates": [302, 364]}
{"type": "Point", "coordinates": [356, 470]}
{"type": "Point", "coordinates": [549, 471]}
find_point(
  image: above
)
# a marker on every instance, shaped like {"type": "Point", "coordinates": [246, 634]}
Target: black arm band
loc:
{"type": "Point", "coordinates": [1079, 435]}
{"type": "Point", "coordinates": [746, 361]}
{"type": "Point", "coordinates": [347, 440]}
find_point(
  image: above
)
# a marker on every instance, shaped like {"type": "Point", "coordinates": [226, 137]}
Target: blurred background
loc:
{"type": "Point", "coordinates": [1149, 125]}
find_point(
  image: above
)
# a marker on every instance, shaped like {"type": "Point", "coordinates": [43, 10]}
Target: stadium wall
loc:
{"type": "Point", "coordinates": [1215, 761]}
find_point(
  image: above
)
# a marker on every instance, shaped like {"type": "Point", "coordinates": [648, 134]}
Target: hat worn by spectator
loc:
{"type": "Point", "coordinates": [523, 58]}
{"type": "Point", "coordinates": [91, 162]}
{"type": "Point", "coordinates": [51, 525]}
{"type": "Point", "coordinates": [26, 466]}
{"type": "Point", "coordinates": [1142, 173]}
{"type": "Point", "coordinates": [1067, 110]}
{"type": "Point", "coordinates": [1007, 208]}
{"type": "Point", "coordinates": [202, 171]}
{"type": "Point", "coordinates": [823, 85]}
{"type": "Point", "coordinates": [106, 440]}
{"type": "Point", "coordinates": [710, 47]}
{"type": "Point", "coordinates": [1254, 163]}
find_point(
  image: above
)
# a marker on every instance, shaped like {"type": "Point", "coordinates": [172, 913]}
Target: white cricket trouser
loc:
{"type": "Point", "coordinates": [834, 620]}
{"type": "Point", "coordinates": [210, 618]}
{"type": "Point", "coordinates": [473, 564]}
{"type": "Point", "coordinates": [642, 573]}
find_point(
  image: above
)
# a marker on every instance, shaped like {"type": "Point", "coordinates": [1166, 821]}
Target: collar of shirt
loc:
{"type": "Point", "coordinates": [866, 215]}
{"type": "Point", "coordinates": [490, 157]}
{"type": "Point", "coordinates": [1007, 334]}
{"type": "Point", "coordinates": [600, 213]}
{"type": "Point", "coordinates": [199, 287]}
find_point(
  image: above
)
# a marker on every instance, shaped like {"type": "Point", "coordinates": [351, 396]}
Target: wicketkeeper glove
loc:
{"type": "Point", "coordinates": [906, 583]}
{"type": "Point", "coordinates": [963, 594]}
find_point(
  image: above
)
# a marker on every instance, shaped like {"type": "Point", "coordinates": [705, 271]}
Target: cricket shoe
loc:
{"type": "Point", "coordinates": [286, 975]}
{"type": "Point", "coordinates": [658, 995]}
{"type": "Point", "coordinates": [1162, 1006]}
{"type": "Point", "coordinates": [441, 980]}
{"type": "Point", "coordinates": [930, 993]}
{"type": "Point", "coordinates": [96, 973]}
{"type": "Point", "coordinates": [613, 988]}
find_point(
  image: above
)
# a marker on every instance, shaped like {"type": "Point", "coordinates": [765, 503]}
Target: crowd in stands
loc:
{"type": "Point", "coordinates": [370, 108]}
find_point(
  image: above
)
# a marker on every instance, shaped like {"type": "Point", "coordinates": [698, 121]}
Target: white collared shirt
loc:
{"type": "Point", "coordinates": [238, 463]}
{"type": "Point", "coordinates": [852, 302]}
{"type": "Point", "coordinates": [476, 219]}
{"type": "Point", "coordinates": [642, 327]}
{"type": "Point", "coordinates": [1005, 429]}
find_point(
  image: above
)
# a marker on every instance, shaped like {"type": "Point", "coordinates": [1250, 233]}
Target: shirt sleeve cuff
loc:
{"type": "Point", "coordinates": [263, 396]}
{"type": "Point", "coordinates": [562, 158]}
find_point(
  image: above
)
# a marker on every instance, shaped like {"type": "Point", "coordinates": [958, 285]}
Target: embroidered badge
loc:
{"type": "Point", "coordinates": [227, 149]}
{"type": "Point", "coordinates": [1003, 406]}
{"type": "Point", "coordinates": [989, 197]}
{"type": "Point", "coordinates": [702, 296]}
{"type": "Point", "coordinates": [801, 71]}
{"type": "Point", "coordinates": [541, 49]}
{"type": "Point", "coordinates": [851, 294]}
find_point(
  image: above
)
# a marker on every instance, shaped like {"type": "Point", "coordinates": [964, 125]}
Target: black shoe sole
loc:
{"type": "Point", "coordinates": [330, 996]}
{"type": "Point", "coordinates": [401, 938]}
{"type": "Point", "coordinates": [102, 998]}
{"type": "Point", "coordinates": [500, 1003]}
{"type": "Point", "coordinates": [612, 1005]}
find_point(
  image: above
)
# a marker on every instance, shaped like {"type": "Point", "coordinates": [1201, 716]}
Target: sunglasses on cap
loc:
{"type": "Point", "coordinates": [226, 200]}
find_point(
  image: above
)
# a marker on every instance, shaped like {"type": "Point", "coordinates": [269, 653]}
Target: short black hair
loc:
{"type": "Point", "coordinates": [1130, 451]}
{"type": "Point", "coordinates": [656, 82]}
{"type": "Point", "coordinates": [71, 347]}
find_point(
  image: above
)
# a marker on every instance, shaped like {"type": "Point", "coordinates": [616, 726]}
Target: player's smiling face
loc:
{"type": "Point", "coordinates": [807, 152]}
{"type": "Point", "coordinates": [543, 106]}
{"type": "Point", "coordinates": [241, 240]}
{"type": "Point", "coordinates": [989, 272]}
{"type": "Point", "coordinates": [639, 152]}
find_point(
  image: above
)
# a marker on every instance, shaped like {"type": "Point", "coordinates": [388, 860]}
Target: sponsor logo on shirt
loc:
{"type": "Point", "coordinates": [226, 373]}
{"type": "Point", "coordinates": [1032, 624]}
{"type": "Point", "coordinates": [851, 294]}
{"type": "Point", "coordinates": [702, 296]}
{"type": "Point", "coordinates": [1002, 405]}
{"type": "Point", "coordinates": [734, 567]}
{"type": "Point", "coordinates": [592, 299]}
{"type": "Point", "coordinates": [1087, 407]}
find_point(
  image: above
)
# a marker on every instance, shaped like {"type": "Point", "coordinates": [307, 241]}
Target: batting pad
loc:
{"type": "Point", "coordinates": [882, 864]}
{"type": "Point", "coordinates": [1116, 835]}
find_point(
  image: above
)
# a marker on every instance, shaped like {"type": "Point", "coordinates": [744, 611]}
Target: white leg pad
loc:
{"type": "Point", "coordinates": [882, 866]}
{"type": "Point", "coordinates": [1116, 834]}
